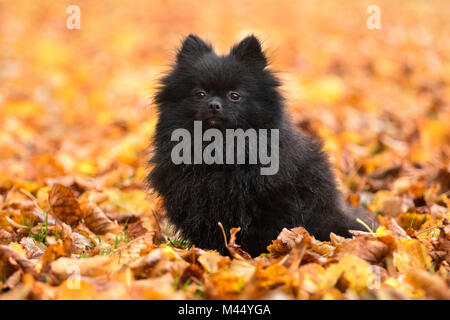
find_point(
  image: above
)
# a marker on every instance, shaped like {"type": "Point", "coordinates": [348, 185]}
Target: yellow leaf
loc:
{"type": "Point", "coordinates": [411, 253]}
{"type": "Point", "coordinates": [357, 273]}
{"type": "Point", "coordinates": [382, 231]}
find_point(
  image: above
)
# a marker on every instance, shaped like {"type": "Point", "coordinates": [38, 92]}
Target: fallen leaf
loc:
{"type": "Point", "coordinates": [235, 249]}
{"type": "Point", "coordinates": [288, 239]}
{"type": "Point", "coordinates": [65, 206]}
{"type": "Point", "coordinates": [352, 272]}
{"type": "Point", "coordinates": [6, 253]}
{"type": "Point", "coordinates": [95, 218]}
{"type": "Point", "coordinates": [211, 261]}
{"type": "Point", "coordinates": [411, 254]}
{"type": "Point", "coordinates": [98, 266]}
{"type": "Point", "coordinates": [52, 253]}
{"type": "Point", "coordinates": [435, 287]}
{"type": "Point", "coordinates": [368, 248]}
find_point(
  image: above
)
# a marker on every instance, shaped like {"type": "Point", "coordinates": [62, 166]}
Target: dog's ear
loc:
{"type": "Point", "coordinates": [193, 47]}
{"type": "Point", "coordinates": [249, 51]}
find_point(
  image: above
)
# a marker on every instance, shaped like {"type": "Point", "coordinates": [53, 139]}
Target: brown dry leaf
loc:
{"type": "Point", "coordinates": [368, 248]}
{"type": "Point", "coordinates": [17, 259]}
{"type": "Point", "coordinates": [235, 249]}
{"type": "Point", "coordinates": [65, 206]}
{"type": "Point", "coordinates": [441, 245]}
{"type": "Point", "coordinates": [322, 248]}
{"type": "Point", "coordinates": [16, 199]}
{"type": "Point", "coordinates": [79, 242]}
{"type": "Point", "coordinates": [33, 248]}
{"type": "Point", "coordinates": [171, 261]}
{"type": "Point", "coordinates": [192, 273]}
{"type": "Point", "coordinates": [95, 218]}
{"type": "Point", "coordinates": [97, 266]}
{"type": "Point", "coordinates": [133, 250]}
{"type": "Point", "coordinates": [288, 239]}
{"type": "Point", "coordinates": [6, 237]}
{"type": "Point", "coordinates": [141, 268]}
{"type": "Point", "coordinates": [338, 240]}
{"type": "Point", "coordinates": [13, 280]}
{"type": "Point", "coordinates": [135, 229]}
{"type": "Point", "coordinates": [278, 248]}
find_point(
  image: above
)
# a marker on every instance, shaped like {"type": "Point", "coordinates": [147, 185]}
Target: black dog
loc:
{"type": "Point", "coordinates": [230, 92]}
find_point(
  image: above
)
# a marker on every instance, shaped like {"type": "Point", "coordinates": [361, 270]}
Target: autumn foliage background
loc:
{"type": "Point", "coordinates": [76, 120]}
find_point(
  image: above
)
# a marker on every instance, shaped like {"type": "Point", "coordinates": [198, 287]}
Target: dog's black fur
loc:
{"type": "Point", "coordinates": [198, 196]}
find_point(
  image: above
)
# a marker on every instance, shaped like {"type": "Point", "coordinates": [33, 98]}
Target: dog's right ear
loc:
{"type": "Point", "coordinates": [193, 47]}
{"type": "Point", "coordinates": [249, 52]}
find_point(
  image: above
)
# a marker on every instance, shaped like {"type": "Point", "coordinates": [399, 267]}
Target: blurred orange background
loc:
{"type": "Point", "coordinates": [79, 101]}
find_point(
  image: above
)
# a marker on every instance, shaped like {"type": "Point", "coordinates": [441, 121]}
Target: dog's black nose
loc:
{"type": "Point", "coordinates": [215, 105]}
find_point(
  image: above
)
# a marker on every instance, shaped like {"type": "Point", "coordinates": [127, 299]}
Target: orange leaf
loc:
{"type": "Point", "coordinates": [235, 249]}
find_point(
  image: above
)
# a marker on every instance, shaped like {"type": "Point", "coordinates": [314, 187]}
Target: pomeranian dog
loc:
{"type": "Point", "coordinates": [238, 91]}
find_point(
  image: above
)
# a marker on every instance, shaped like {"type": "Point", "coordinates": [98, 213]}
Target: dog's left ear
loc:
{"type": "Point", "coordinates": [249, 51]}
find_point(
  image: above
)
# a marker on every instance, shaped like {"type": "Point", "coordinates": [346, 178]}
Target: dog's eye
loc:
{"type": "Point", "coordinates": [200, 94]}
{"type": "Point", "coordinates": [234, 96]}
